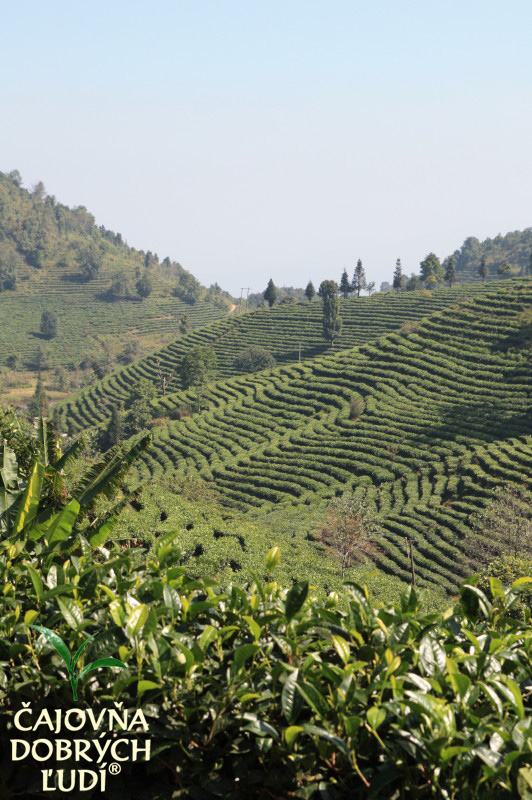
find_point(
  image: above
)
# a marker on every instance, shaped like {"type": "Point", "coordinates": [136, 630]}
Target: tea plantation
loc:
{"type": "Point", "coordinates": [445, 420]}
{"type": "Point", "coordinates": [286, 331]}
{"type": "Point", "coordinates": [45, 247]}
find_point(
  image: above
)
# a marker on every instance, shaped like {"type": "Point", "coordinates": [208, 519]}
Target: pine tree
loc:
{"type": "Point", "coordinates": [359, 278]}
{"type": "Point", "coordinates": [450, 272]}
{"type": "Point", "coordinates": [270, 293]}
{"type": "Point", "coordinates": [398, 276]}
{"type": "Point", "coordinates": [345, 286]}
{"type": "Point", "coordinates": [483, 269]}
{"type": "Point", "coordinates": [310, 291]}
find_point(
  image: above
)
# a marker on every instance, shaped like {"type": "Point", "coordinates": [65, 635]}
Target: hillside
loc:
{"type": "Point", "coordinates": [515, 248]}
{"type": "Point", "coordinates": [57, 259]}
{"type": "Point", "coordinates": [446, 419]}
{"type": "Point", "coordinates": [282, 330]}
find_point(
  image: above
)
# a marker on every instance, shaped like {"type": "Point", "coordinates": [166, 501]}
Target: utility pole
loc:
{"type": "Point", "coordinates": [409, 541]}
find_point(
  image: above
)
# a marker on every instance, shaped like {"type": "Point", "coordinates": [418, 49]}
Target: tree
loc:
{"type": "Point", "coordinates": [16, 177]}
{"type": "Point", "coordinates": [90, 260]}
{"type": "Point", "coordinates": [48, 325]}
{"type": "Point", "coordinates": [503, 527]}
{"type": "Point", "coordinates": [504, 269]}
{"type": "Point", "coordinates": [310, 291]}
{"type": "Point", "coordinates": [483, 270]}
{"type": "Point", "coordinates": [119, 288]}
{"type": "Point", "coordinates": [139, 406]}
{"type": "Point", "coordinates": [9, 261]}
{"type": "Point", "coordinates": [398, 276]}
{"type": "Point", "coordinates": [345, 286]}
{"type": "Point", "coordinates": [144, 286]}
{"type": "Point", "coordinates": [328, 289]}
{"type": "Point", "coordinates": [184, 325]}
{"type": "Point", "coordinates": [356, 406]}
{"type": "Point", "coordinates": [130, 351]}
{"type": "Point", "coordinates": [359, 278]}
{"type": "Point", "coordinates": [413, 283]}
{"type": "Point", "coordinates": [431, 267]}
{"type": "Point", "coordinates": [253, 359]}
{"type": "Point", "coordinates": [450, 271]}
{"type": "Point", "coordinates": [166, 378]}
{"type": "Point", "coordinates": [270, 293]}
{"type": "Point", "coordinates": [350, 531]}
{"type": "Point", "coordinates": [370, 288]}
{"type": "Point", "coordinates": [115, 430]}
{"type": "Point", "coordinates": [38, 404]}
{"type": "Point", "coordinates": [39, 191]}
{"type": "Point", "coordinates": [198, 367]}
{"type": "Point", "coordinates": [332, 322]}
{"type": "Point", "coordinates": [12, 361]}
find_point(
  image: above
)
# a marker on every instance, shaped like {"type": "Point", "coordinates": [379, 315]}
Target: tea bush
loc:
{"type": "Point", "coordinates": [267, 693]}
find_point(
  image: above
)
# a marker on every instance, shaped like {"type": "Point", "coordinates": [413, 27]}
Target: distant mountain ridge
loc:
{"type": "Point", "coordinates": [56, 258]}
{"type": "Point", "coordinates": [515, 248]}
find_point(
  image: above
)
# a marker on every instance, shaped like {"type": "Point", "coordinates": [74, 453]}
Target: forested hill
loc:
{"type": "Point", "coordinates": [54, 258]}
{"type": "Point", "coordinates": [512, 253]}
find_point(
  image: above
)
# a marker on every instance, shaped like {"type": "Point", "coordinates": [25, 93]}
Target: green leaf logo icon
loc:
{"type": "Point", "coordinates": [71, 662]}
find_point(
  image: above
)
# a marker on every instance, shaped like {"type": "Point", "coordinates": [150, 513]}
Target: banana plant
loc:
{"type": "Point", "coordinates": [71, 661]}
{"type": "Point", "coordinates": [30, 507]}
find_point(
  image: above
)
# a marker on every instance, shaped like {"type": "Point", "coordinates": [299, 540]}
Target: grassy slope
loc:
{"type": "Point", "coordinates": [445, 421]}
{"type": "Point", "coordinates": [280, 329]}
{"type": "Point", "coordinates": [87, 321]}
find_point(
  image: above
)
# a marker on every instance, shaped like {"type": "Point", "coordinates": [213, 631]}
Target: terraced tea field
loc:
{"type": "Point", "coordinates": [446, 419]}
{"type": "Point", "coordinates": [85, 318]}
{"type": "Point", "coordinates": [282, 330]}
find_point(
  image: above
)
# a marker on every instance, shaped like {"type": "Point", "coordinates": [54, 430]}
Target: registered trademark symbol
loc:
{"type": "Point", "coordinates": [114, 768]}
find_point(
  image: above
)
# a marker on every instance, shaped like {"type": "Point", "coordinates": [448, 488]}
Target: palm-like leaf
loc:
{"type": "Point", "coordinates": [106, 476]}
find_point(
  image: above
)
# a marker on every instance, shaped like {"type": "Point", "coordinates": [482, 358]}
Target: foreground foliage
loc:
{"type": "Point", "coordinates": [272, 693]}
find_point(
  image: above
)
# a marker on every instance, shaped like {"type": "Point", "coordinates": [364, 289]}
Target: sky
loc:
{"type": "Point", "coordinates": [250, 139]}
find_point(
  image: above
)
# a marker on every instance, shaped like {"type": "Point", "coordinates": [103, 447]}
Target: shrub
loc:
{"type": "Point", "coordinates": [253, 359]}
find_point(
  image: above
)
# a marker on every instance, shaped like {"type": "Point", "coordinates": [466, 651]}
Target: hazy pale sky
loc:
{"type": "Point", "coordinates": [250, 139]}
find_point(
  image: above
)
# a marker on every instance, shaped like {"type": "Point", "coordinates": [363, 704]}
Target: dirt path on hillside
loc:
{"type": "Point", "coordinates": [232, 308]}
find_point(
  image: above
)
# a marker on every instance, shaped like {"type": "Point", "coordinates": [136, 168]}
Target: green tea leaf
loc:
{"type": "Point", "coordinates": [244, 652]}
{"type": "Point", "coordinates": [136, 620]}
{"type": "Point", "coordinates": [71, 612]}
{"type": "Point", "coordinates": [291, 733]}
{"type": "Point", "coordinates": [101, 662]}
{"type": "Point", "coordinates": [431, 655]}
{"type": "Point", "coordinates": [341, 647]}
{"type": "Point", "coordinates": [56, 641]}
{"type": "Point", "coordinates": [145, 686]}
{"type": "Point", "coordinates": [375, 716]}
{"type": "Point", "coordinates": [273, 557]}
{"type": "Point", "coordinates": [289, 694]}
{"type": "Point", "coordinates": [80, 650]}
{"type": "Point", "coordinates": [295, 599]}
